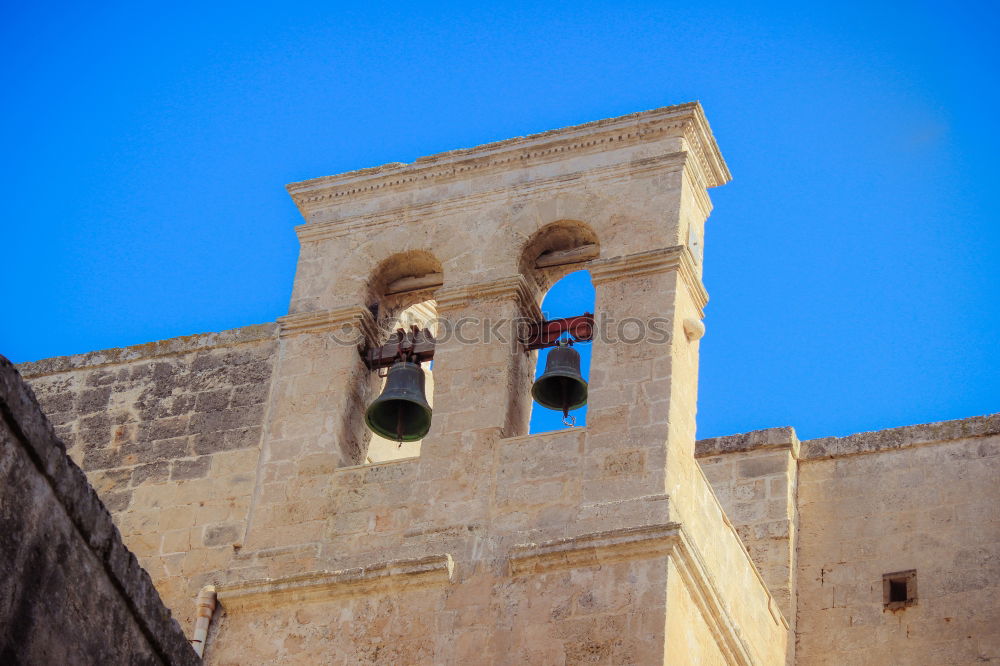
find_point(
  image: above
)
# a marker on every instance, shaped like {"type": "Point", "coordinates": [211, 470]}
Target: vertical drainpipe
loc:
{"type": "Point", "coordinates": [206, 606]}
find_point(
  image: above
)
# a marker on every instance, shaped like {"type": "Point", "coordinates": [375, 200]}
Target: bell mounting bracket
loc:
{"type": "Point", "coordinates": [417, 344]}
{"type": "Point", "coordinates": [414, 346]}
{"type": "Point", "coordinates": [547, 333]}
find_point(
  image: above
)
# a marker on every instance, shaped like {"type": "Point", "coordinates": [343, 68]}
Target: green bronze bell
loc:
{"type": "Point", "coordinates": [401, 413]}
{"type": "Point", "coordinates": [561, 386]}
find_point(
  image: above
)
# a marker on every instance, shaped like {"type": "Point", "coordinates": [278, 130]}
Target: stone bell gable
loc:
{"type": "Point", "coordinates": [601, 542]}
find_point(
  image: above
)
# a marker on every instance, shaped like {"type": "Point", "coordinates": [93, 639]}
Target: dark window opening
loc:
{"type": "Point", "coordinates": [899, 589]}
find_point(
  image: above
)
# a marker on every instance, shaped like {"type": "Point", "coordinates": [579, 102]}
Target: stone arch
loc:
{"type": "Point", "coordinates": [399, 283]}
{"type": "Point", "coordinates": [562, 236]}
{"type": "Point", "coordinates": [565, 238]}
{"type": "Point", "coordinates": [400, 293]}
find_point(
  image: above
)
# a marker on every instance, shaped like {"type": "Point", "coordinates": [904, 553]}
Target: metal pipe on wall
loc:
{"type": "Point", "coordinates": [206, 606]}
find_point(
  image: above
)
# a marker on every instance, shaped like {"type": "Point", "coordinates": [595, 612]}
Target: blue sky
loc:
{"type": "Point", "coordinates": [852, 262]}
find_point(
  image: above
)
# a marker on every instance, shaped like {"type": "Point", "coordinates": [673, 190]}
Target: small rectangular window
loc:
{"type": "Point", "coordinates": [899, 589]}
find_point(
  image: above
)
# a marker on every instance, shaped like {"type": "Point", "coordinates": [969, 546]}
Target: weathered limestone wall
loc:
{"type": "Point", "coordinates": [544, 611]}
{"type": "Point", "coordinates": [922, 497]}
{"type": "Point", "coordinates": [741, 594]}
{"type": "Point", "coordinates": [168, 434]}
{"type": "Point", "coordinates": [825, 520]}
{"type": "Point", "coordinates": [70, 592]}
{"type": "Point", "coordinates": [754, 476]}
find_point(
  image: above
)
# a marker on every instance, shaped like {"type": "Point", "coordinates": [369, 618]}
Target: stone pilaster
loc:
{"type": "Point", "coordinates": [314, 423]}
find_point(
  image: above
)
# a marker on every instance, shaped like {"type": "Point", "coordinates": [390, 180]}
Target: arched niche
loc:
{"type": "Point", "coordinates": [400, 282]}
{"type": "Point", "coordinates": [400, 295]}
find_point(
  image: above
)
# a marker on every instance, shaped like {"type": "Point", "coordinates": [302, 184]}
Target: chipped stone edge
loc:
{"type": "Point", "coordinates": [93, 522]}
{"type": "Point", "coordinates": [755, 440]}
{"type": "Point", "coordinates": [355, 319]}
{"type": "Point", "coordinates": [901, 438]}
{"type": "Point", "coordinates": [322, 585]}
{"type": "Point", "coordinates": [172, 346]}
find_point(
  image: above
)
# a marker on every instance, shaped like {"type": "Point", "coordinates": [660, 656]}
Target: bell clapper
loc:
{"type": "Point", "coordinates": [567, 419]}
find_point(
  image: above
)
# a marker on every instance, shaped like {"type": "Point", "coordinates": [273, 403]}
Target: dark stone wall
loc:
{"type": "Point", "coordinates": [70, 593]}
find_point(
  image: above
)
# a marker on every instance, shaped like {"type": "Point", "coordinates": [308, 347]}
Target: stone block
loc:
{"type": "Point", "coordinates": [222, 535]}
{"type": "Point", "coordinates": [150, 473]}
{"type": "Point", "coordinates": [196, 468]}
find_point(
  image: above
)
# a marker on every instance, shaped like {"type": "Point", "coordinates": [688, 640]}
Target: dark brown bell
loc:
{"type": "Point", "coordinates": [561, 386]}
{"type": "Point", "coordinates": [401, 413]}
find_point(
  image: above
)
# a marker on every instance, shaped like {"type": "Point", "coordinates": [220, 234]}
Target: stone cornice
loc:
{"type": "Point", "coordinates": [314, 322]}
{"type": "Point", "coordinates": [322, 585]}
{"type": "Point", "coordinates": [685, 120]}
{"type": "Point", "coordinates": [676, 258]}
{"type": "Point", "coordinates": [342, 226]}
{"type": "Point", "coordinates": [513, 286]}
{"type": "Point", "coordinates": [666, 539]}
{"type": "Point", "coordinates": [595, 548]}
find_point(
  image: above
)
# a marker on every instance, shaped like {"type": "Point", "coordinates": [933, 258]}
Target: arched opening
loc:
{"type": "Point", "coordinates": [401, 293]}
{"type": "Point", "coordinates": [424, 316]}
{"type": "Point", "coordinates": [571, 295]}
{"type": "Point", "coordinates": [552, 261]}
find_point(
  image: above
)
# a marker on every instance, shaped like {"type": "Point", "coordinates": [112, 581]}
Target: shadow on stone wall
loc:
{"type": "Point", "coordinates": [71, 592]}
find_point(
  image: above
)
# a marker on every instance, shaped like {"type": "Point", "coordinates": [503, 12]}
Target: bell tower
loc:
{"type": "Point", "coordinates": [602, 543]}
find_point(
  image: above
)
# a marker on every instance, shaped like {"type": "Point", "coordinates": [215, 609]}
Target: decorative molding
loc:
{"type": "Point", "coordinates": [314, 322]}
{"type": "Point", "coordinates": [408, 284]}
{"type": "Point", "coordinates": [324, 585]}
{"type": "Point", "coordinates": [699, 136]}
{"type": "Point", "coordinates": [591, 549]}
{"type": "Point", "coordinates": [676, 258]}
{"type": "Point", "coordinates": [661, 540]}
{"type": "Point", "coordinates": [513, 286]}
{"type": "Point", "coordinates": [560, 258]}
{"type": "Point", "coordinates": [685, 121]}
{"type": "Point", "coordinates": [694, 329]}
{"type": "Point", "coordinates": [417, 212]}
